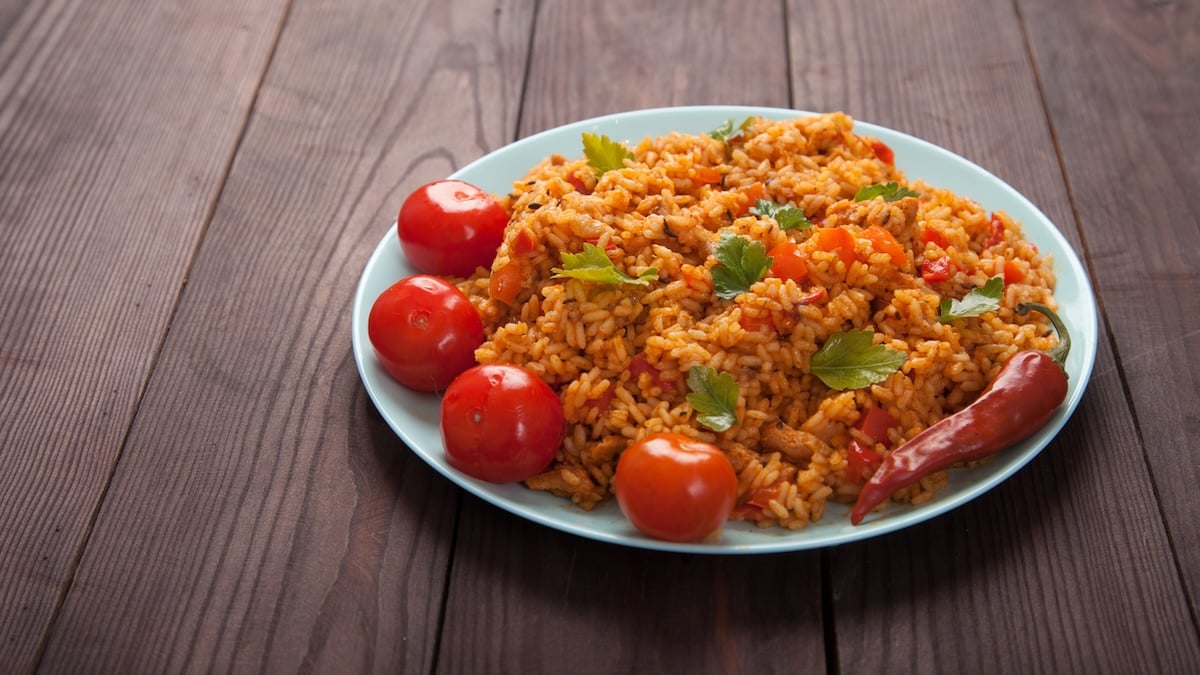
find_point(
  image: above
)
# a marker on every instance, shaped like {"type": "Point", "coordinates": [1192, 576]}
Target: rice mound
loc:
{"type": "Point", "coordinates": [619, 355]}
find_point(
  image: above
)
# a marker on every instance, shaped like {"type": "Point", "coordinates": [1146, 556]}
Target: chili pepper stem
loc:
{"type": "Point", "coordinates": [1059, 351]}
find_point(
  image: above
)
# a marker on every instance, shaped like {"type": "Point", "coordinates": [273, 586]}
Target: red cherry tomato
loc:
{"type": "Point", "coordinates": [675, 488]}
{"type": "Point", "coordinates": [789, 262]}
{"type": "Point", "coordinates": [424, 331]}
{"type": "Point", "coordinates": [501, 423]}
{"type": "Point", "coordinates": [450, 228]}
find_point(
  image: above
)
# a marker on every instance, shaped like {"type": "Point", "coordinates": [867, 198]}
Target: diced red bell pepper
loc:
{"type": "Point", "coordinates": [937, 269]}
{"type": "Point", "coordinates": [860, 458]}
{"type": "Point", "coordinates": [997, 226]}
{"type": "Point", "coordinates": [883, 152]}
{"type": "Point", "coordinates": [876, 422]}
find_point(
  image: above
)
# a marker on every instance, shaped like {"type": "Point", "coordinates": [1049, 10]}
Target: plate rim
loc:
{"type": "Point", "coordinates": [775, 540]}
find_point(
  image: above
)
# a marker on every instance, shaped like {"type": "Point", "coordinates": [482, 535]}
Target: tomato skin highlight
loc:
{"type": "Point", "coordinates": [675, 488]}
{"type": "Point", "coordinates": [450, 228]}
{"type": "Point", "coordinates": [424, 331]}
{"type": "Point", "coordinates": [501, 423]}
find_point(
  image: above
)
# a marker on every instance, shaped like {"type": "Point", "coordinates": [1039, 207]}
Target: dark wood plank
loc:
{"type": "Point", "coordinates": [527, 599]}
{"type": "Point", "coordinates": [1126, 120]}
{"type": "Point", "coordinates": [261, 516]}
{"type": "Point", "coordinates": [1065, 586]}
{"type": "Point", "coordinates": [117, 124]}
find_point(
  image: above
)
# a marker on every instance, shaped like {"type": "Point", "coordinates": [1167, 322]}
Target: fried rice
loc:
{"type": "Point", "coordinates": [619, 355]}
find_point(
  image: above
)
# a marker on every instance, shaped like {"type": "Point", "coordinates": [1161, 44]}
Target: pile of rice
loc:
{"type": "Point", "coordinates": [619, 355]}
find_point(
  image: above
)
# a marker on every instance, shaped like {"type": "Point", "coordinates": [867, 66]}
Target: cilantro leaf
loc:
{"type": "Point", "coordinates": [741, 263]}
{"type": "Point", "coordinates": [849, 360]}
{"type": "Point", "coordinates": [713, 396]}
{"type": "Point", "coordinates": [727, 131]}
{"type": "Point", "coordinates": [978, 301]}
{"type": "Point", "coordinates": [788, 217]}
{"type": "Point", "coordinates": [891, 192]}
{"type": "Point", "coordinates": [593, 264]}
{"type": "Point", "coordinates": [604, 154]}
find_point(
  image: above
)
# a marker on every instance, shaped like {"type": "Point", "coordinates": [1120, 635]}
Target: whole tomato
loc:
{"type": "Point", "coordinates": [501, 423]}
{"type": "Point", "coordinates": [424, 331]}
{"type": "Point", "coordinates": [675, 488]}
{"type": "Point", "coordinates": [450, 227]}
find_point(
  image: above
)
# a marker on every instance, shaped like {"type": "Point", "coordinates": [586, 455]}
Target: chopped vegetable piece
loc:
{"type": "Point", "coordinates": [930, 235]}
{"type": "Point", "coordinates": [997, 228]}
{"type": "Point", "coordinates": [713, 396]}
{"type": "Point", "coordinates": [883, 242]}
{"type": "Point", "coordinates": [1013, 274]}
{"type": "Point", "coordinates": [593, 264]}
{"type": "Point", "coordinates": [751, 193]}
{"type": "Point", "coordinates": [788, 217]}
{"type": "Point", "coordinates": [849, 360]}
{"type": "Point", "coordinates": [876, 423]}
{"type": "Point", "coordinates": [859, 460]}
{"type": "Point", "coordinates": [506, 283]}
{"type": "Point", "coordinates": [891, 192]}
{"type": "Point", "coordinates": [978, 301]}
{"type": "Point", "coordinates": [883, 152]}
{"type": "Point", "coordinates": [710, 175]}
{"type": "Point", "coordinates": [837, 239]}
{"type": "Point", "coordinates": [741, 263]}
{"type": "Point", "coordinates": [604, 154]}
{"type": "Point", "coordinates": [937, 269]}
{"type": "Point", "coordinates": [789, 262]}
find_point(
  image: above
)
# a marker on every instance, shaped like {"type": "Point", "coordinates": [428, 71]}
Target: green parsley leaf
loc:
{"type": "Point", "coordinates": [788, 217]}
{"type": "Point", "coordinates": [714, 397]}
{"type": "Point", "coordinates": [727, 131]}
{"type": "Point", "coordinates": [978, 301]}
{"type": "Point", "coordinates": [593, 264]}
{"type": "Point", "coordinates": [604, 154]}
{"type": "Point", "coordinates": [849, 360]}
{"type": "Point", "coordinates": [741, 261]}
{"type": "Point", "coordinates": [891, 192]}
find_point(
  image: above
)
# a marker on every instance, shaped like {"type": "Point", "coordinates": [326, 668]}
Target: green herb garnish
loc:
{"type": "Point", "coordinates": [593, 264]}
{"type": "Point", "coordinates": [891, 192]}
{"type": "Point", "coordinates": [604, 154]}
{"type": "Point", "coordinates": [978, 301]}
{"type": "Point", "coordinates": [788, 217]}
{"type": "Point", "coordinates": [850, 360]}
{"type": "Point", "coordinates": [741, 261]}
{"type": "Point", "coordinates": [727, 131]}
{"type": "Point", "coordinates": [713, 396]}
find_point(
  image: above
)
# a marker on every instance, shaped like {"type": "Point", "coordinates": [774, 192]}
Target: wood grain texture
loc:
{"type": "Point", "coordinates": [262, 517]}
{"type": "Point", "coordinates": [526, 599]}
{"type": "Point", "coordinates": [1132, 169]}
{"type": "Point", "coordinates": [596, 58]}
{"type": "Point", "coordinates": [957, 74]}
{"type": "Point", "coordinates": [117, 124]}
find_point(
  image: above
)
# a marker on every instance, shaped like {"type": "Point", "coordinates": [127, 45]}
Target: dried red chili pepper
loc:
{"type": "Point", "coordinates": [1023, 397]}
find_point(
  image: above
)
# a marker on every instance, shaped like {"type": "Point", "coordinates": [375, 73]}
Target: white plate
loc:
{"type": "Point", "coordinates": [414, 416]}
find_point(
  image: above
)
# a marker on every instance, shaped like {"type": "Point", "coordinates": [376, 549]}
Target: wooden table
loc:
{"type": "Point", "coordinates": [193, 479]}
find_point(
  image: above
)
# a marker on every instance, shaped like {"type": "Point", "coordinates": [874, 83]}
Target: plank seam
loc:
{"type": "Point", "coordinates": [1126, 391]}
{"type": "Point", "coordinates": [210, 212]}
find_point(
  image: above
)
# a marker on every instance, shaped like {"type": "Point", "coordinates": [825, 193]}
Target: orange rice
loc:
{"type": "Point", "coordinates": [619, 355]}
